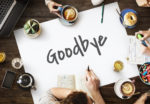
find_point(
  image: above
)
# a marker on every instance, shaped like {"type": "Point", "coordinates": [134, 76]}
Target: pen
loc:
{"type": "Point", "coordinates": [102, 12]}
{"type": "Point", "coordinates": [121, 18]}
{"type": "Point", "coordinates": [140, 36]}
{"type": "Point", "coordinates": [88, 68]}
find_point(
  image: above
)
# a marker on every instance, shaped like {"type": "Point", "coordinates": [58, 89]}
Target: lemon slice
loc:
{"type": "Point", "coordinates": [118, 66]}
{"type": "Point", "coordinates": [2, 57]}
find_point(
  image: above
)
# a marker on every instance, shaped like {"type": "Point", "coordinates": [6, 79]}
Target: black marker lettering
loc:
{"type": "Point", "coordinates": [68, 52]}
{"type": "Point", "coordinates": [96, 46]}
{"type": "Point", "coordinates": [84, 43]}
{"type": "Point", "coordinates": [101, 41]}
{"type": "Point", "coordinates": [61, 55]}
{"type": "Point", "coordinates": [77, 48]}
{"type": "Point", "coordinates": [54, 58]}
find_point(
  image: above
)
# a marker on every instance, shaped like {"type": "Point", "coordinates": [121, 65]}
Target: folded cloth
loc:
{"type": "Point", "coordinates": [143, 3]}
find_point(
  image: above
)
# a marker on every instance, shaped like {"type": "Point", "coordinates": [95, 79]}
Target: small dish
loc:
{"type": "Point", "coordinates": [123, 12]}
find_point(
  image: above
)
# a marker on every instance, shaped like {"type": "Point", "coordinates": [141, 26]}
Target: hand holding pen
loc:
{"type": "Point", "coordinates": [92, 84]}
{"type": "Point", "coordinates": [145, 46]}
{"type": "Point", "coordinates": [92, 81]}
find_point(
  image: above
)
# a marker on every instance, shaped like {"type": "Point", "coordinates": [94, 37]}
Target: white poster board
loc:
{"type": "Point", "coordinates": [57, 37]}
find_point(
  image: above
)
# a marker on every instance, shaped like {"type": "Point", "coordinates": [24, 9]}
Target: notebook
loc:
{"type": "Point", "coordinates": [135, 54]}
{"type": "Point", "coordinates": [73, 82]}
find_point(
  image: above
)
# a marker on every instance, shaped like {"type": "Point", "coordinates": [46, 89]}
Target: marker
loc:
{"type": "Point", "coordinates": [102, 12]}
{"type": "Point", "coordinates": [144, 73]}
{"type": "Point", "coordinates": [148, 77]}
{"type": "Point", "coordinates": [88, 68]}
{"type": "Point", "coordinates": [144, 43]}
{"type": "Point", "coordinates": [140, 36]}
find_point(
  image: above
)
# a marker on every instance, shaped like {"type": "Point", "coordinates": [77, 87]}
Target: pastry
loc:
{"type": "Point", "coordinates": [130, 19]}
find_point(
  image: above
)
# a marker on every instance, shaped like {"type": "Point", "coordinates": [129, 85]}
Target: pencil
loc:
{"type": "Point", "coordinates": [102, 12]}
{"type": "Point", "coordinates": [88, 68]}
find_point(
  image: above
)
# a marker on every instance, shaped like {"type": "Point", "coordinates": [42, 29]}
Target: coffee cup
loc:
{"type": "Point", "coordinates": [26, 81]}
{"type": "Point", "coordinates": [118, 65]}
{"type": "Point", "coordinates": [124, 88]}
{"type": "Point", "coordinates": [68, 13]}
{"type": "Point", "coordinates": [17, 63]}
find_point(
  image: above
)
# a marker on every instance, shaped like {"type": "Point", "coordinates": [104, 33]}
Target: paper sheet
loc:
{"type": "Point", "coordinates": [58, 37]}
{"type": "Point", "coordinates": [135, 54]}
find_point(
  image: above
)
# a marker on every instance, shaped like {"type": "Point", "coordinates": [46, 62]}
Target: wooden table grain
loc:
{"type": "Point", "coordinates": [37, 10]}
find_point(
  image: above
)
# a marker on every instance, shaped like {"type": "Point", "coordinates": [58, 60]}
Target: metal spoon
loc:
{"type": "Point", "coordinates": [123, 23]}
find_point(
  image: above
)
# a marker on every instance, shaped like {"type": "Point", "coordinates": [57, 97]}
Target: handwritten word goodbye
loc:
{"type": "Point", "coordinates": [77, 49]}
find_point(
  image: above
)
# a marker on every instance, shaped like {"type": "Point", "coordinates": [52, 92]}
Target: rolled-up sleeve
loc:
{"type": "Point", "coordinates": [48, 98]}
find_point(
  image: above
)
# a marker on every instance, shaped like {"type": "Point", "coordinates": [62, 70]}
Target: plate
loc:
{"type": "Point", "coordinates": [123, 12]}
{"type": "Point", "coordinates": [66, 23]}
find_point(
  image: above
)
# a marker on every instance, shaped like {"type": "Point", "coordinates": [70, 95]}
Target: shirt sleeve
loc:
{"type": "Point", "coordinates": [48, 98]}
{"type": "Point", "coordinates": [46, 2]}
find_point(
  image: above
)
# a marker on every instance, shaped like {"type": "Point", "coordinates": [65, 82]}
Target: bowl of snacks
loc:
{"type": "Point", "coordinates": [144, 71]}
{"type": "Point", "coordinates": [32, 28]}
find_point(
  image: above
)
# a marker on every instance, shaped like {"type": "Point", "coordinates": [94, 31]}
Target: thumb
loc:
{"type": "Point", "coordinates": [56, 4]}
{"type": "Point", "coordinates": [144, 97]}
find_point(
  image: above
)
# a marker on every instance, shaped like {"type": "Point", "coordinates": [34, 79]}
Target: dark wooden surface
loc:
{"type": "Point", "coordinates": [39, 11]}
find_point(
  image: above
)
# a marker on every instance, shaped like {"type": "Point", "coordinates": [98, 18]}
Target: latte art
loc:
{"type": "Point", "coordinates": [69, 14]}
{"type": "Point", "coordinates": [127, 88]}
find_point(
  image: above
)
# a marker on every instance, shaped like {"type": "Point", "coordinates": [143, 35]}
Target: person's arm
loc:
{"type": "Point", "coordinates": [142, 99]}
{"type": "Point", "coordinates": [92, 83]}
{"type": "Point", "coordinates": [146, 34]}
{"type": "Point", "coordinates": [61, 93]}
{"type": "Point", "coordinates": [146, 50]}
{"type": "Point", "coordinates": [51, 5]}
{"type": "Point", "coordinates": [98, 99]}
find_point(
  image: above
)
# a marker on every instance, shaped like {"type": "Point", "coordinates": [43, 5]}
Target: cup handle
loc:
{"type": "Point", "coordinates": [60, 9]}
{"type": "Point", "coordinates": [33, 87]}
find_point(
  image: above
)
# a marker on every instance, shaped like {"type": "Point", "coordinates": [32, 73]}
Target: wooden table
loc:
{"type": "Point", "coordinates": [39, 11]}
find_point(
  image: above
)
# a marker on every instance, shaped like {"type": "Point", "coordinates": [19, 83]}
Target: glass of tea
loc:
{"type": "Point", "coordinates": [118, 66]}
{"type": "Point", "coordinates": [17, 63]}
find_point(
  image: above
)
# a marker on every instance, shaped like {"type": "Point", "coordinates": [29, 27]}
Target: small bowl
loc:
{"type": "Point", "coordinates": [35, 35]}
{"type": "Point", "coordinates": [142, 69]}
{"type": "Point", "coordinates": [123, 12]}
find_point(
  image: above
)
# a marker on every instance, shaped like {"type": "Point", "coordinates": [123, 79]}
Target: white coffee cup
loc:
{"type": "Point", "coordinates": [118, 90]}
{"type": "Point", "coordinates": [96, 2]}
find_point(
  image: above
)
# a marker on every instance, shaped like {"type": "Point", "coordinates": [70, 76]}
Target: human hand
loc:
{"type": "Point", "coordinates": [92, 82]}
{"type": "Point", "coordinates": [146, 34]}
{"type": "Point", "coordinates": [146, 50]}
{"type": "Point", "coordinates": [143, 3]}
{"type": "Point", "coordinates": [52, 5]}
{"type": "Point", "coordinates": [142, 99]}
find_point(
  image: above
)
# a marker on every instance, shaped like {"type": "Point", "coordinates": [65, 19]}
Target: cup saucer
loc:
{"type": "Point", "coordinates": [65, 22]}
{"type": "Point", "coordinates": [123, 12]}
